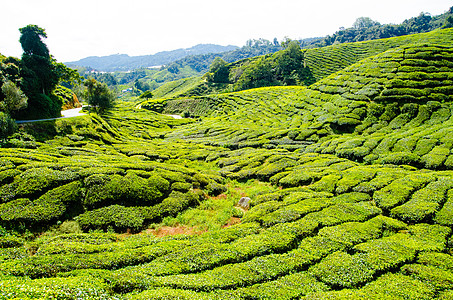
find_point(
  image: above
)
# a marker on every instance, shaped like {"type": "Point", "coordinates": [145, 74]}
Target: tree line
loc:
{"type": "Point", "coordinates": [365, 29]}
{"type": "Point", "coordinates": [285, 67]}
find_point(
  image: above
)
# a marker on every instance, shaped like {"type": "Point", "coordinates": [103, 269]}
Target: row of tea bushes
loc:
{"type": "Point", "coordinates": [380, 252]}
{"type": "Point", "coordinates": [72, 252]}
{"type": "Point", "coordinates": [55, 288]}
{"type": "Point", "coordinates": [41, 188]}
{"type": "Point", "coordinates": [401, 192]}
{"type": "Point", "coordinates": [303, 286]}
{"type": "Point", "coordinates": [357, 100]}
{"type": "Point", "coordinates": [328, 60]}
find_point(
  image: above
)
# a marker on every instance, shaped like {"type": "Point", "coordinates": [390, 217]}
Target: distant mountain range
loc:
{"type": "Point", "coordinates": [124, 62]}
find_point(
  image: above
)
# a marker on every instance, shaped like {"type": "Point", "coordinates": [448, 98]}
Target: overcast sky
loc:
{"type": "Point", "coordinates": [77, 29]}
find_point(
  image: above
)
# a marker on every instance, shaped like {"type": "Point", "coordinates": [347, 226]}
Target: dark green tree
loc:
{"type": "Point", "coordinates": [289, 63]}
{"type": "Point", "coordinates": [219, 70]}
{"type": "Point", "coordinates": [258, 74]}
{"type": "Point", "coordinates": [448, 22]}
{"type": "Point", "coordinates": [11, 96]}
{"type": "Point", "coordinates": [99, 95]}
{"type": "Point", "coordinates": [141, 86]}
{"type": "Point", "coordinates": [38, 74]}
{"type": "Point", "coordinates": [146, 95]}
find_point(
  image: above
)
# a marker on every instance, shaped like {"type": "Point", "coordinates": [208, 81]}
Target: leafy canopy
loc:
{"type": "Point", "coordinates": [99, 95]}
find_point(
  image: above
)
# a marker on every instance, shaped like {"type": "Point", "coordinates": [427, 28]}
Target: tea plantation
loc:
{"type": "Point", "coordinates": [350, 183]}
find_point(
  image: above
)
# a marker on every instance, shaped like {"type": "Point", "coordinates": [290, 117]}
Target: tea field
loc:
{"type": "Point", "coordinates": [350, 183]}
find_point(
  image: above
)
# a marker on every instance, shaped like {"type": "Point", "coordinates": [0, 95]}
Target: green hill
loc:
{"type": "Point", "coordinates": [350, 184]}
{"type": "Point", "coordinates": [318, 63]}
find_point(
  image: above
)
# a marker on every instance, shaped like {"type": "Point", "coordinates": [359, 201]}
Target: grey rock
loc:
{"type": "Point", "coordinates": [244, 202]}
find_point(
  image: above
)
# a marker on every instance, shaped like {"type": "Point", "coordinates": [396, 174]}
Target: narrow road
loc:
{"type": "Point", "coordinates": [69, 113]}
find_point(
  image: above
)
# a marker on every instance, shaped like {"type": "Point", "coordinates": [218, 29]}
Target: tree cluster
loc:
{"type": "Point", "coordinates": [28, 84]}
{"type": "Point", "coordinates": [365, 29]}
{"type": "Point", "coordinates": [284, 67]}
{"type": "Point", "coordinates": [98, 95]}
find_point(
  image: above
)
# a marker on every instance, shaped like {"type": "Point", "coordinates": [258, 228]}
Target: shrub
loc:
{"type": "Point", "coordinates": [115, 216]}
{"type": "Point", "coordinates": [425, 202]}
{"type": "Point", "coordinates": [352, 177]}
{"type": "Point", "coordinates": [399, 190]}
{"type": "Point", "coordinates": [86, 287]}
{"type": "Point", "coordinates": [400, 158]}
{"type": "Point", "coordinates": [342, 270]}
{"type": "Point", "coordinates": [424, 146]}
{"type": "Point", "coordinates": [36, 181]}
{"type": "Point", "coordinates": [344, 212]}
{"type": "Point", "coordinates": [57, 204]}
{"type": "Point", "coordinates": [435, 158]}
{"type": "Point", "coordinates": [438, 260]}
{"type": "Point", "coordinates": [445, 214]}
{"type": "Point", "coordinates": [441, 279]}
{"type": "Point", "coordinates": [7, 125]}
{"type": "Point", "coordinates": [352, 233]}
{"type": "Point", "coordinates": [292, 212]}
{"type": "Point", "coordinates": [397, 286]}
{"type": "Point", "coordinates": [125, 190]}
{"type": "Point", "coordinates": [286, 287]}
{"type": "Point", "coordinates": [383, 178]}
{"type": "Point", "coordinates": [299, 177]}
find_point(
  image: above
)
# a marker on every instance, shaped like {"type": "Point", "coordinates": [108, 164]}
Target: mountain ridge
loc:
{"type": "Point", "coordinates": [124, 62]}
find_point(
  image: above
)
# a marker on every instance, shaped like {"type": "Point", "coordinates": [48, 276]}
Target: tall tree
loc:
{"type": "Point", "coordinates": [40, 74]}
{"type": "Point", "coordinates": [36, 62]}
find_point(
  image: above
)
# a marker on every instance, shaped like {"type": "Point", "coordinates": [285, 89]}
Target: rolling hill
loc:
{"type": "Point", "coordinates": [318, 63]}
{"type": "Point", "coordinates": [350, 184]}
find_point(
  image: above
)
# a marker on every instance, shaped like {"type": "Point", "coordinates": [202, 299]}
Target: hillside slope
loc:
{"type": "Point", "coordinates": [318, 63]}
{"type": "Point", "coordinates": [350, 183]}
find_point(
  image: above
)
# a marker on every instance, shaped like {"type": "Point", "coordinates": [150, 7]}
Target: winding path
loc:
{"type": "Point", "coordinates": [69, 113]}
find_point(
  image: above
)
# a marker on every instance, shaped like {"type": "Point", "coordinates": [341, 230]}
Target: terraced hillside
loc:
{"type": "Point", "coordinates": [350, 183]}
{"type": "Point", "coordinates": [318, 63]}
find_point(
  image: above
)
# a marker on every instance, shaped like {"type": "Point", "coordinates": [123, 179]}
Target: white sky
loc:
{"type": "Point", "coordinates": [77, 29]}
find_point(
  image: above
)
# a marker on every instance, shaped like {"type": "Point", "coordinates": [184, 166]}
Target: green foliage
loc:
{"type": "Point", "coordinates": [60, 288]}
{"type": "Point", "coordinates": [126, 190]}
{"type": "Point", "coordinates": [146, 95]}
{"type": "Point", "coordinates": [399, 190]}
{"type": "Point", "coordinates": [14, 98]}
{"type": "Point", "coordinates": [99, 95]}
{"type": "Point", "coordinates": [219, 71]}
{"type": "Point", "coordinates": [40, 74]}
{"type": "Point", "coordinates": [117, 217]}
{"type": "Point", "coordinates": [7, 125]}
